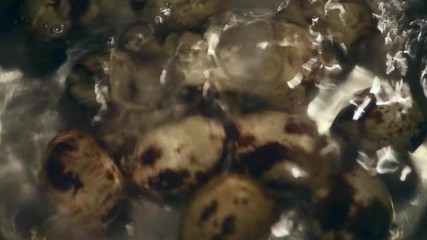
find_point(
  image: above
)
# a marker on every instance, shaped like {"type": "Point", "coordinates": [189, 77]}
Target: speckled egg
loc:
{"type": "Point", "coordinates": [174, 158]}
{"type": "Point", "coordinates": [260, 64]}
{"type": "Point", "coordinates": [377, 120]}
{"type": "Point", "coordinates": [281, 148]}
{"type": "Point", "coordinates": [81, 180]}
{"type": "Point", "coordinates": [280, 65]}
{"type": "Point", "coordinates": [353, 205]}
{"type": "Point", "coordinates": [229, 207]}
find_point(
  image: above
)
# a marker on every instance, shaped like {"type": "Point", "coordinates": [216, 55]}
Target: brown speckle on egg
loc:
{"type": "Point", "coordinates": [264, 157]}
{"type": "Point", "coordinates": [168, 180]}
{"type": "Point", "coordinates": [150, 156]}
{"type": "Point", "coordinates": [209, 211]}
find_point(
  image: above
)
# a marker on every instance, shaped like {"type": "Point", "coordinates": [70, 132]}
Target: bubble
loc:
{"type": "Point", "coordinates": [57, 30]}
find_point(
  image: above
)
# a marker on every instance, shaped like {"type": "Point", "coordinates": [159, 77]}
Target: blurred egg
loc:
{"type": "Point", "coordinates": [352, 205]}
{"type": "Point", "coordinates": [345, 22]}
{"type": "Point", "coordinates": [229, 207]}
{"type": "Point", "coordinates": [280, 148]}
{"type": "Point", "coordinates": [81, 180]}
{"type": "Point", "coordinates": [379, 119]}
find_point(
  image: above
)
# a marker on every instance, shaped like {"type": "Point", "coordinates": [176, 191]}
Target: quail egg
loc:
{"type": "Point", "coordinates": [281, 148]}
{"type": "Point", "coordinates": [257, 65]}
{"type": "Point", "coordinates": [141, 83]}
{"type": "Point", "coordinates": [81, 180]}
{"type": "Point", "coordinates": [49, 19]}
{"type": "Point", "coordinates": [352, 205]}
{"type": "Point", "coordinates": [81, 81]}
{"type": "Point", "coordinates": [229, 207]}
{"type": "Point", "coordinates": [277, 65]}
{"type": "Point", "coordinates": [57, 19]}
{"type": "Point", "coordinates": [174, 158]}
{"type": "Point", "coordinates": [382, 116]}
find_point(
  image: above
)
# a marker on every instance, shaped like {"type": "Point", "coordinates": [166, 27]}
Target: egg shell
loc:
{"type": "Point", "coordinates": [352, 205]}
{"type": "Point", "coordinates": [278, 65]}
{"type": "Point", "coordinates": [390, 122]}
{"type": "Point", "coordinates": [281, 148]}
{"type": "Point", "coordinates": [81, 180]}
{"type": "Point", "coordinates": [229, 207]}
{"type": "Point", "coordinates": [174, 158]}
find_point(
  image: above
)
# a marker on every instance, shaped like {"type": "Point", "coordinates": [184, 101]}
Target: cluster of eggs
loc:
{"type": "Point", "coordinates": [189, 105]}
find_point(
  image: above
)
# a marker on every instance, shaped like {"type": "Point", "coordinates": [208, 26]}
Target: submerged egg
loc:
{"type": "Point", "coordinates": [345, 22]}
{"type": "Point", "coordinates": [275, 62]}
{"type": "Point", "coordinates": [377, 120]}
{"type": "Point", "coordinates": [81, 82]}
{"type": "Point", "coordinates": [352, 205]}
{"type": "Point", "coordinates": [174, 158]}
{"type": "Point", "coordinates": [141, 83]}
{"type": "Point", "coordinates": [81, 180]}
{"type": "Point", "coordinates": [281, 148]}
{"type": "Point", "coordinates": [48, 19]}
{"type": "Point", "coordinates": [229, 207]}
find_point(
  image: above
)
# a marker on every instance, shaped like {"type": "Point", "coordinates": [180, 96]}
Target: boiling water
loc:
{"type": "Point", "coordinates": [29, 118]}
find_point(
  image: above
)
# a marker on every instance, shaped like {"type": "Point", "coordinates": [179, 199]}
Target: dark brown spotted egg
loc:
{"type": "Point", "coordinates": [352, 205]}
{"type": "Point", "coordinates": [281, 148]}
{"type": "Point", "coordinates": [377, 120]}
{"type": "Point", "coordinates": [81, 180]}
{"type": "Point", "coordinates": [229, 207]}
{"type": "Point", "coordinates": [174, 158]}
